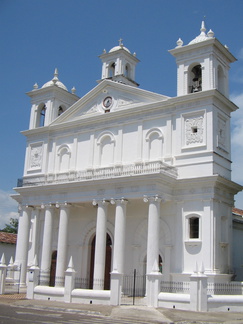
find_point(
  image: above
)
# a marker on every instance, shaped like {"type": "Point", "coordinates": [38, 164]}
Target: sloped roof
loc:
{"type": "Point", "coordinates": [237, 211]}
{"type": "Point", "coordinates": [8, 238]}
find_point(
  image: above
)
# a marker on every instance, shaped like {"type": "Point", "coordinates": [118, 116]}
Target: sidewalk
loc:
{"type": "Point", "coordinates": [142, 313]}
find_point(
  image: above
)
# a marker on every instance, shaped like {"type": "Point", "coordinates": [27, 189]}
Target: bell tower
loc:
{"type": "Point", "coordinates": [203, 64]}
{"type": "Point", "coordinates": [49, 102]}
{"type": "Point", "coordinates": [119, 65]}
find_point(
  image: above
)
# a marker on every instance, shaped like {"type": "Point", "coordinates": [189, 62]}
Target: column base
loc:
{"type": "Point", "coordinates": [116, 285]}
{"type": "Point", "coordinates": [153, 288]}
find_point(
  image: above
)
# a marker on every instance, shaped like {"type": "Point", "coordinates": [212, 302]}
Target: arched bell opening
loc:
{"type": "Point", "coordinates": [41, 115]}
{"type": "Point", "coordinates": [111, 71]}
{"type": "Point", "coordinates": [195, 79]}
{"type": "Point", "coordinates": [128, 71]}
{"type": "Point", "coordinates": [221, 80]}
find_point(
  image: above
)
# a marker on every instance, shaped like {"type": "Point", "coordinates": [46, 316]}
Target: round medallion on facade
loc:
{"type": "Point", "coordinates": [107, 102]}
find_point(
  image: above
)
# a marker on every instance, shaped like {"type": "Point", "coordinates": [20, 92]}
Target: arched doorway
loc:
{"type": "Point", "coordinates": [53, 269]}
{"type": "Point", "coordinates": [160, 264]}
{"type": "Point", "coordinates": [107, 263]}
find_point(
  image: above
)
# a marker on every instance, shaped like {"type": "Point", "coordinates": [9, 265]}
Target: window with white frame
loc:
{"type": "Point", "coordinates": [193, 227]}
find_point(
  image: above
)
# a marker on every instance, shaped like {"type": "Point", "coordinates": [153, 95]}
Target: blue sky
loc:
{"type": "Point", "coordinates": [39, 35]}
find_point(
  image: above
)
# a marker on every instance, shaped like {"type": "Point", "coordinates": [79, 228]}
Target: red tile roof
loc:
{"type": "Point", "coordinates": [8, 238]}
{"type": "Point", "coordinates": [237, 211]}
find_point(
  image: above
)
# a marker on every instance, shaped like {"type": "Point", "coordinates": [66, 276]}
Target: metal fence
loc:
{"type": "Point", "coordinates": [82, 283]}
{"type": "Point", "coordinates": [133, 289]}
{"type": "Point", "coordinates": [182, 287]}
{"type": "Point", "coordinates": [12, 280]}
{"type": "Point", "coordinates": [228, 288]}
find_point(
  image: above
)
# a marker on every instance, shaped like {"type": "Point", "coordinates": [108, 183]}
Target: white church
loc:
{"type": "Point", "coordinates": [125, 179]}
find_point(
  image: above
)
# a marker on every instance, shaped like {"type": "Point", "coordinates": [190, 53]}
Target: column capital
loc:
{"type": "Point", "coordinates": [25, 207]}
{"type": "Point", "coordinates": [155, 198]}
{"type": "Point", "coordinates": [102, 202]}
{"type": "Point", "coordinates": [122, 201]}
{"type": "Point", "coordinates": [37, 207]}
{"type": "Point", "coordinates": [63, 205]}
{"type": "Point", "coordinates": [48, 206]}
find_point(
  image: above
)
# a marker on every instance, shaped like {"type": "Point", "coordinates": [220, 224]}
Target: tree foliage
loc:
{"type": "Point", "coordinates": [12, 227]}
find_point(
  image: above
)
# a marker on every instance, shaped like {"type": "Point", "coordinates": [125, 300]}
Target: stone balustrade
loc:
{"type": "Point", "coordinates": [153, 167]}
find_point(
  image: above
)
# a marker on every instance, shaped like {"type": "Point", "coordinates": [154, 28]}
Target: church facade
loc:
{"type": "Point", "coordinates": [125, 179]}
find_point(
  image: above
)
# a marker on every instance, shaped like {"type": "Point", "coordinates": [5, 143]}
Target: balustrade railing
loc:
{"type": "Point", "coordinates": [226, 288]}
{"type": "Point", "coordinates": [182, 287]}
{"type": "Point", "coordinates": [155, 167]}
{"type": "Point", "coordinates": [82, 283]}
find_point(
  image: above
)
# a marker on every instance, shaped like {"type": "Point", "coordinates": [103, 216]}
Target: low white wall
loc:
{"type": "Point", "coordinates": [84, 296]}
{"type": "Point", "coordinates": [225, 303]}
{"type": "Point", "coordinates": [88, 296]}
{"type": "Point", "coordinates": [49, 293]}
{"type": "Point", "coordinates": [217, 303]}
{"type": "Point", "coordinates": [177, 301]}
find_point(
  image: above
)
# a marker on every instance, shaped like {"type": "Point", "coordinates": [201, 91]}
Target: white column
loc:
{"type": "Point", "coordinates": [153, 233]}
{"type": "Point", "coordinates": [47, 245]}
{"type": "Point", "coordinates": [120, 235]}
{"type": "Point", "coordinates": [35, 221]}
{"type": "Point", "coordinates": [21, 255]}
{"type": "Point", "coordinates": [62, 245]}
{"type": "Point", "coordinates": [100, 245]}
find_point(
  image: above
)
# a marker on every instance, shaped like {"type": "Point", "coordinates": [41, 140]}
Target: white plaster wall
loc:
{"type": "Point", "coordinates": [129, 145]}
{"type": "Point", "coordinates": [237, 257]}
{"type": "Point", "coordinates": [85, 149]}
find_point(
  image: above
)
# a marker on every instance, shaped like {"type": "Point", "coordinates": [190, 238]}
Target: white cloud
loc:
{"type": "Point", "coordinates": [8, 208]}
{"type": "Point", "coordinates": [237, 146]}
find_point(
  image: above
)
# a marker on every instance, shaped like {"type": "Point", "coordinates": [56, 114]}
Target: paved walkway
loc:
{"type": "Point", "coordinates": [142, 313]}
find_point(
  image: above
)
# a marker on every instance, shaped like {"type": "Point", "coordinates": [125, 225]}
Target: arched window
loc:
{"type": "Point", "coordinates": [64, 154]}
{"type": "Point", "coordinates": [112, 70]}
{"type": "Point", "coordinates": [42, 116]}
{"type": "Point", "coordinates": [154, 140]}
{"type": "Point", "coordinates": [195, 79]}
{"type": "Point", "coordinates": [106, 151]}
{"type": "Point", "coordinates": [221, 79]}
{"type": "Point", "coordinates": [106, 144]}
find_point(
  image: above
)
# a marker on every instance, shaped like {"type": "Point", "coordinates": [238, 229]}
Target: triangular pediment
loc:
{"type": "Point", "coordinates": [108, 96]}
